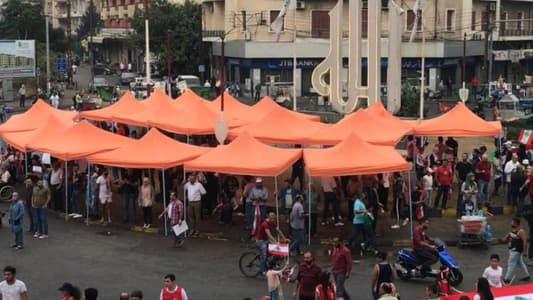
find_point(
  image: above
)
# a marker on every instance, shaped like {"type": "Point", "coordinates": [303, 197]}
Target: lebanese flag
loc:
{"type": "Point", "coordinates": [278, 249]}
{"type": "Point", "coordinates": [525, 137]}
{"type": "Point", "coordinates": [514, 292]}
{"type": "Point", "coordinates": [257, 219]}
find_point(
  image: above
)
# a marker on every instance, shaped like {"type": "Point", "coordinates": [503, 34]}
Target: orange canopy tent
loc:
{"type": "Point", "coordinates": [154, 150]}
{"type": "Point", "coordinates": [350, 157]}
{"type": "Point", "coordinates": [79, 141]}
{"type": "Point", "coordinates": [157, 103]}
{"type": "Point", "coordinates": [49, 128]}
{"type": "Point", "coordinates": [280, 126]}
{"type": "Point", "coordinates": [460, 122]}
{"type": "Point", "coordinates": [125, 106]}
{"type": "Point", "coordinates": [233, 109]}
{"type": "Point", "coordinates": [378, 110]}
{"type": "Point", "coordinates": [246, 156]}
{"type": "Point", "coordinates": [189, 114]}
{"type": "Point", "coordinates": [266, 105]}
{"type": "Point", "coordinates": [373, 129]}
{"type": "Point", "coordinates": [35, 117]}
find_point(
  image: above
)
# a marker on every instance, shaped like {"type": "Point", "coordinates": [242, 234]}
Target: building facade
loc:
{"type": "Point", "coordinates": [57, 10]}
{"type": "Point", "coordinates": [254, 53]}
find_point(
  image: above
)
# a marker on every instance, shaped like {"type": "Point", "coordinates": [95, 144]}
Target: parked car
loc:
{"type": "Point", "coordinates": [127, 77]}
{"type": "Point", "coordinates": [187, 81]}
{"type": "Point", "coordinates": [99, 82]}
{"type": "Point", "coordinates": [103, 69]}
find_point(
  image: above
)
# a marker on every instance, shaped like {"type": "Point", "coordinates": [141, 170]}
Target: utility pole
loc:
{"type": "Point", "coordinates": [169, 73]}
{"type": "Point", "coordinates": [464, 58]}
{"type": "Point", "coordinates": [69, 43]}
{"type": "Point", "coordinates": [90, 48]}
{"type": "Point", "coordinates": [48, 85]}
{"type": "Point", "coordinates": [222, 71]}
{"type": "Point", "coordinates": [147, 48]}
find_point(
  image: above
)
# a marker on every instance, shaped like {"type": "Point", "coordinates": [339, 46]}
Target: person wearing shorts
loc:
{"type": "Point", "coordinates": [105, 196]}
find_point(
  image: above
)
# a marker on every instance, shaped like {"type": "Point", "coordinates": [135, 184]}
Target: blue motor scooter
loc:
{"type": "Point", "coordinates": [406, 267]}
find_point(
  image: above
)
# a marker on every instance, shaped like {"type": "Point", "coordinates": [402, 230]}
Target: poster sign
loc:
{"type": "Point", "coordinates": [500, 55]}
{"type": "Point", "coordinates": [17, 58]}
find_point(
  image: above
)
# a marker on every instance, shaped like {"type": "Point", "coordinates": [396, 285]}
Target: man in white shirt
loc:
{"type": "Point", "coordinates": [54, 100]}
{"type": "Point", "coordinates": [105, 195]}
{"type": "Point", "coordinates": [329, 187]}
{"type": "Point", "coordinates": [509, 168]}
{"type": "Point", "coordinates": [56, 182]}
{"type": "Point", "coordinates": [494, 273]}
{"type": "Point", "coordinates": [12, 288]}
{"type": "Point", "coordinates": [194, 191]}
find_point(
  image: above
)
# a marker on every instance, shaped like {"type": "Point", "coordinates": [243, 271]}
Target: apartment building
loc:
{"type": "Point", "coordinates": [57, 10]}
{"type": "Point", "coordinates": [254, 54]}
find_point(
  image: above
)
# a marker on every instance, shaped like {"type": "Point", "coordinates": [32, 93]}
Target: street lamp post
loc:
{"type": "Point", "coordinates": [222, 73]}
{"type": "Point", "coordinates": [463, 92]}
{"type": "Point", "coordinates": [147, 48]}
{"type": "Point", "coordinates": [90, 48]}
{"type": "Point", "coordinates": [48, 85]}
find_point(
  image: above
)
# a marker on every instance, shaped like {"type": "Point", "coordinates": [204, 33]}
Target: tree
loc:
{"type": "Point", "coordinates": [91, 18]}
{"type": "Point", "coordinates": [185, 24]}
{"type": "Point", "coordinates": [410, 102]}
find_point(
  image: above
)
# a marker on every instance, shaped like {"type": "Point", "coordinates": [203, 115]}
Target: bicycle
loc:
{"type": "Point", "coordinates": [5, 193]}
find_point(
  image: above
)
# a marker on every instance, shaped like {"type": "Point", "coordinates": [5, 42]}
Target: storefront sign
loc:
{"type": "Point", "coordinates": [500, 55]}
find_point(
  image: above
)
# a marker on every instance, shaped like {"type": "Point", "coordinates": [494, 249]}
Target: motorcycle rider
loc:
{"type": "Point", "coordinates": [424, 246]}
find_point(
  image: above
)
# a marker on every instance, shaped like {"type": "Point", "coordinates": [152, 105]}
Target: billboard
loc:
{"type": "Point", "coordinates": [17, 58]}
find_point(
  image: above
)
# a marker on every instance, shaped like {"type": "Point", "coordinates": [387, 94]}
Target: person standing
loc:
{"type": "Point", "coordinates": [146, 201]}
{"type": "Point", "coordinates": [175, 214]}
{"type": "Point", "coordinates": [444, 183]}
{"type": "Point", "coordinates": [56, 182]}
{"type": "Point", "coordinates": [128, 190]}
{"type": "Point", "coordinates": [383, 272]}
{"type": "Point", "coordinates": [297, 225]}
{"type": "Point", "coordinates": [330, 189]}
{"type": "Point", "coordinates": [194, 191]}
{"type": "Point", "coordinates": [16, 220]}
{"type": "Point", "coordinates": [27, 191]}
{"type": "Point", "coordinates": [90, 294]}
{"type": "Point", "coordinates": [105, 195]}
{"type": "Point", "coordinates": [287, 196]}
{"type": "Point", "coordinates": [469, 189]}
{"type": "Point", "coordinates": [517, 250]}
{"type": "Point", "coordinates": [508, 169]}
{"type": "Point", "coordinates": [12, 288]}
{"type": "Point", "coordinates": [41, 197]}
{"type": "Point", "coordinates": [483, 169]}
{"type": "Point", "coordinates": [463, 167]}
{"type": "Point", "coordinates": [307, 279]}
{"type": "Point", "coordinates": [257, 194]}
{"type": "Point", "coordinates": [497, 167]}
{"type": "Point", "coordinates": [360, 226]}
{"type": "Point", "coordinates": [171, 291]}
{"type": "Point", "coordinates": [22, 96]}
{"type": "Point", "coordinates": [136, 295]}
{"type": "Point", "coordinates": [54, 100]}
{"type": "Point", "coordinates": [69, 292]}
{"type": "Point", "coordinates": [341, 267]}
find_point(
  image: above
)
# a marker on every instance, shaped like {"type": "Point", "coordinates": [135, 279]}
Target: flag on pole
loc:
{"type": "Point", "coordinates": [277, 24]}
{"type": "Point", "coordinates": [525, 137]}
{"type": "Point", "coordinates": [278, 249]}
{"type": "Point", "coordinates": [257, 219]}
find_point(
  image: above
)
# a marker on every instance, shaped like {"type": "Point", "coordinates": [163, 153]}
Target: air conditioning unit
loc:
{"type": "Point", "coordinates": [247, 35]}
{"type": "Point", "coordinates": [300, 4]}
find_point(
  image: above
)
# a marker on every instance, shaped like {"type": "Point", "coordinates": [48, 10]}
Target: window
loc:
{"type": "Point", "coordinates": [473, 21]}
{"type": "Point", "coordinates": [484, 21]}
{"type": "Point", "coordinates": [273, 15]}
{"type": "Point", "coordinates": [364, 23]}
{"type": "Point", "coordinates": [503, 23]}
{"type": "Point", "coordinates": [243, 13]}
{"type": "Point", "coordinates": [520, 21]}
{"type": "Point", "coordinates": [320, 24]}
{"type": "Point", "coordinates": [411, 16]}
{"type": "Point", "coordinates": [450, 19]}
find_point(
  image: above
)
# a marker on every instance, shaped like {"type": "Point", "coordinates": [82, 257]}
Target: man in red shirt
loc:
{"type": "Point", "coordinates": [341, 266]}
{"type": "Point", "coordinates": [423, 245]}
{"type": "Point", "coordinates": [264, 236]}
{"type": "Point", "coordinates": [483, 179]}
{"type": "Point", "coordinates": [443, 177]}
{"type": "Point", "coordinates": [307, 279]}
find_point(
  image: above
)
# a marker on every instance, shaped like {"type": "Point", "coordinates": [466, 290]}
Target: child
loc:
{"type": "Point", "coordinates": [468, 207]}
{"type": "Point", "coordinates": [494, 273]}
{"type": "Point", "coordinates": [445, 289]}
{"type": "Point", "coordinates": [273, 281]}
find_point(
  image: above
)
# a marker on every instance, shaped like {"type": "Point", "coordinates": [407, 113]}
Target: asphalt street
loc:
{"type": "Point", "coordinates": [207, 269]}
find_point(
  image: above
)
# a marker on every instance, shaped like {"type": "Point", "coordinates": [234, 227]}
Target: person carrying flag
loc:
{"type": "Point", "coordinates": [264, 236]}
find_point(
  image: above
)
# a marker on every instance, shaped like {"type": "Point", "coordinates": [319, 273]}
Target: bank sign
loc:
{"type": "Point", "coordinates": [17, 58]}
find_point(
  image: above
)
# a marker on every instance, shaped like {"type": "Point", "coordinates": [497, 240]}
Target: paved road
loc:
{"type": "Point", "coordinates": [206, 268]}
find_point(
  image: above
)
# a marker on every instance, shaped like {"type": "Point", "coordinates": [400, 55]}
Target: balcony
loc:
{"type": "Point", "coordinates": [212, 33]}
{"type": "Point", "coordinates": [516, 32]}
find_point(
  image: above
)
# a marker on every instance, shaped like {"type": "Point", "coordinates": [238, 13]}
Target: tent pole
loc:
{"type": "Point", "coordinates": [309, 204]}
{"type": "Point", "coordinates": [89, 193]}
{"type": "Point", "coordinates": [410, 204]}
{"type": "Point", "coordinates": [164, 199]}
{"type": "Point", "coordinates": [276, 200]}
{"type": "Point", "coordinates": [26, 163]}
{"type": "Point", "coordinates": [66, 190]}
{"type": "Point", "coordinates": [185, 204]}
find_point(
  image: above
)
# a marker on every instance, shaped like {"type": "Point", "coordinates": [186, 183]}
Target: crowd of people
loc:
{"type": "Point", "coordinates": [12, 288]}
